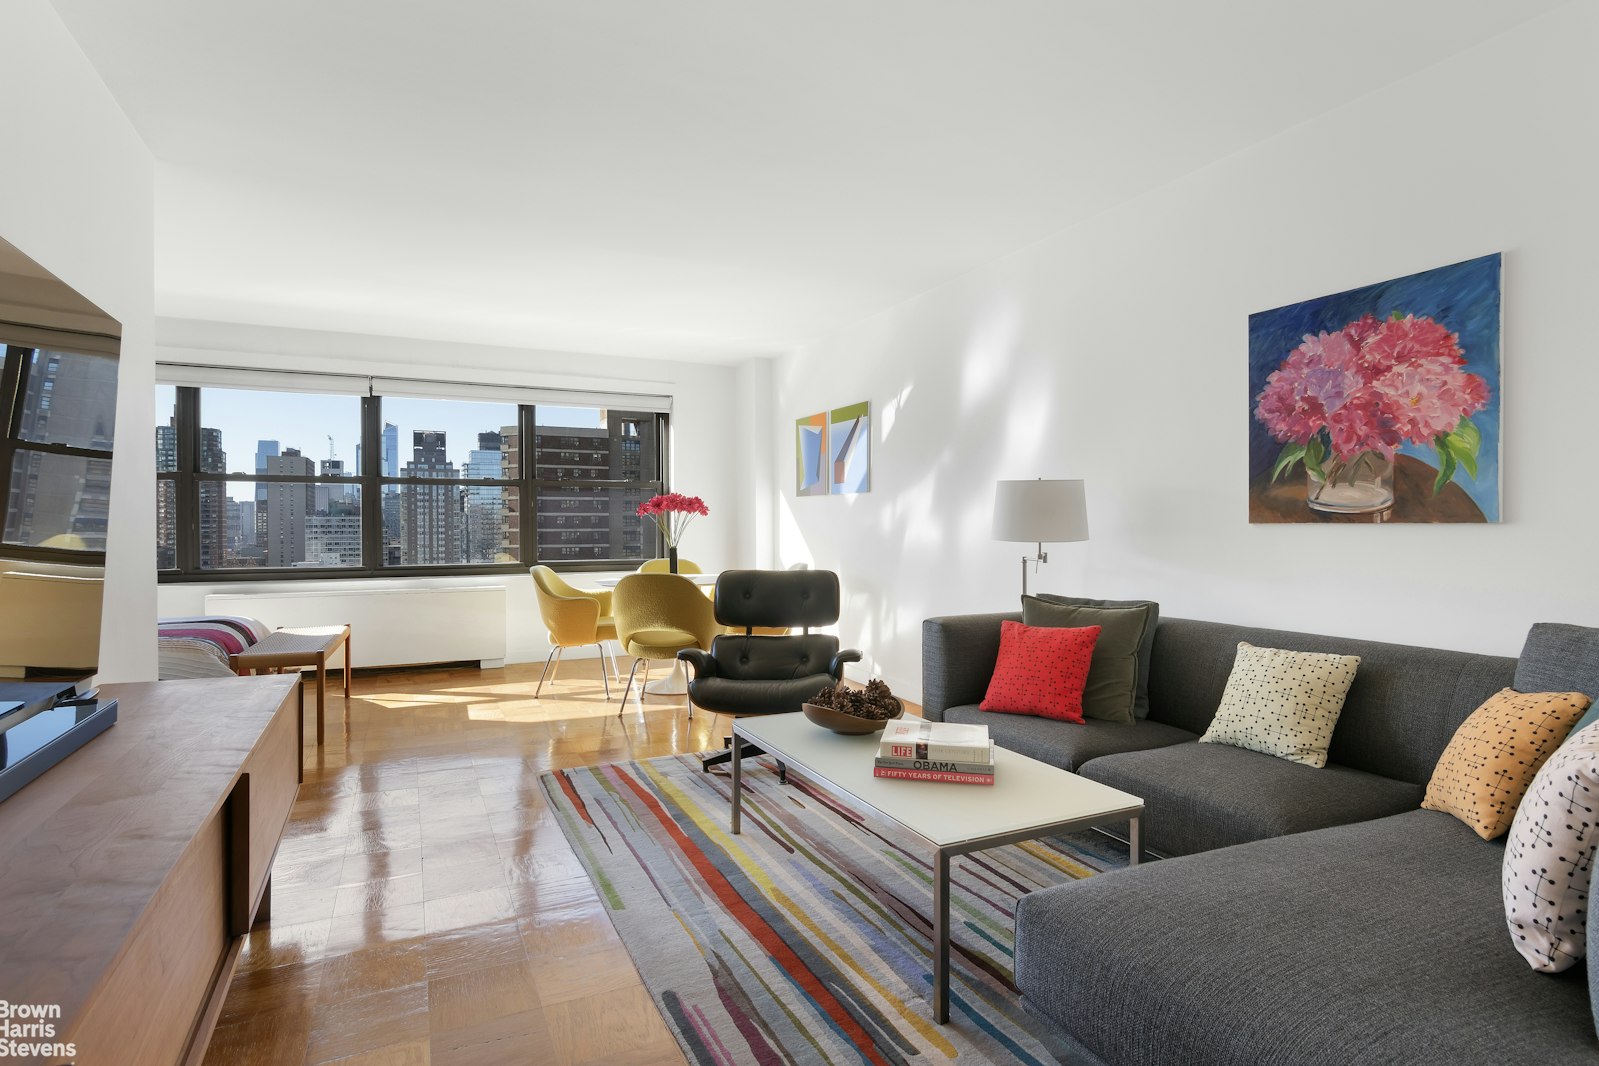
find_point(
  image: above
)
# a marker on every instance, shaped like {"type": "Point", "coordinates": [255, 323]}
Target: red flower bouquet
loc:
{"type": "Point", "coordinates": [672, 512]}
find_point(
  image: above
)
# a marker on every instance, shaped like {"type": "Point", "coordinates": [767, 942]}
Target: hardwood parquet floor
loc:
{"type": "Point", "coordinates": [426, 909]}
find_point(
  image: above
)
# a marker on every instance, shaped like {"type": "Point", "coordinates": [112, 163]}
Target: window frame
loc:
{"type": "Point", "coordinates": [14, 367]}
{"type": "Point", "coordinates": [371, 482]}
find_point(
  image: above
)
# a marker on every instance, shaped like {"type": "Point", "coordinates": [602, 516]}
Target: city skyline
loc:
{"type": "Point", "coordinates": [430, 518]}
{"type": "Point", "coordinates": [244, 419]}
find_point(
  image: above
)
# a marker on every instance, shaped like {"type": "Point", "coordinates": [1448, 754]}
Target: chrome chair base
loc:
{"type": "Point", "coordinates": [554, 658]}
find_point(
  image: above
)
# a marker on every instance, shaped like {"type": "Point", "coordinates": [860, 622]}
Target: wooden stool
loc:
{"type": "Point", "coordinates": [299, 647]}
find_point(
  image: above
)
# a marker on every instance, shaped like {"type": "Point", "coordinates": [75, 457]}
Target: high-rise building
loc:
{"type": "Point", "coordinates": [287, 508]}
{"type": "Point", "coordinates": [166, 446]}
{"type": "Point", "coordinates": [576, 522]}
{"type": "Point", "coordinates": [333, 540]}
{"type": "Point", "coordinates": [264, 450]}
{"type": "Point", "coordinates": [166, 497]}
{"type": "Point", "coordinates": [218, 529]}
{"type": "Point", "coordinates": [213, 501]}
{"type": "Point", "coordinates": [430, 515]}
{"type": "Point", "coordinates": [389, 466]}
{"type": "Point", "coordinates": [391, 450]}
{"type": "Point", "coordinates": [329, 495]}
{"type": "Point", "coordinates": [243, 528]}
{"type": "Point", "coordinates": [485, 504]}
{"type": "Point", "coordinates": [510, 470]}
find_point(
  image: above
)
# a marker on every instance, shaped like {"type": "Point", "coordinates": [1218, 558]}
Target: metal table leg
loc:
{"type": "Point", "coordinates": [940, 936]}
{"type": "Point", "coordinates": [1132, 841]}
{"type": "Point", "coordinates": [737, 765]}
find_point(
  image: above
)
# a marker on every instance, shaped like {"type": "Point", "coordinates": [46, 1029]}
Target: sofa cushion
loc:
{"type": "Point", "coordinates": [1064, 744]}
{"type": "Point", "coordinates": [1124, 633]}
{"type": "Point", "coordinates": [1146, 648]}
{"type": "Point", "coordinates": [1374, 943]}
{"type": "Point", "coordinates": [1041, 670]}
{"type": "Point", "coordinates": [1282, 703]}
{"type": "Point", "coordinates": [1557, 657]}
{"type": "Point", "coordinates": [1344, 927]}
{"type": "Point", "coordinates": [1549, 857]}
{"type": "Point", "coordinates": [1198, 797]}
{"type": "Point", "coordinates": [1401, 710]}
{"type": "Point", "coordinates": [1485, 770]}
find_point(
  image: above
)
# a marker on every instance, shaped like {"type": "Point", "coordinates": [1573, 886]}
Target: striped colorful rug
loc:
{"type": "Point", "coordinates": [805, 939]}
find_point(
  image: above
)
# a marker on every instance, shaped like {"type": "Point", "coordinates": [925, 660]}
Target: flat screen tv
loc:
{"type": "Point", "coordinates": [58, 402]}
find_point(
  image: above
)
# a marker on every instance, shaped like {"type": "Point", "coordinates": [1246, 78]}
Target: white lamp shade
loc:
{"type": "Point", "coordinates": [1040, 512]}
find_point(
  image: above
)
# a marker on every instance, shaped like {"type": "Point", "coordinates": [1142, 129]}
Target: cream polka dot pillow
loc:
{"type": "Point", "coordinates": [1549, 857]}
{"type": "Point", "coordinates": [1283, 703]}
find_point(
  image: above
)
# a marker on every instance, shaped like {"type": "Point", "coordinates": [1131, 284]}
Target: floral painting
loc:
{"type": "Point", "coordinates": [1380, 404]}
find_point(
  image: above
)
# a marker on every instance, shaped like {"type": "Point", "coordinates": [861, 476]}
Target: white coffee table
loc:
{"type": "Point", "coordinates": [1028, 799]}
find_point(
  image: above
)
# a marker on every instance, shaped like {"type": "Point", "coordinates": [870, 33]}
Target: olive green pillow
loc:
{"type": "Point", "coordinates": [1146, 650]}
{"type": "Point", "coordinates": [1112, 687]}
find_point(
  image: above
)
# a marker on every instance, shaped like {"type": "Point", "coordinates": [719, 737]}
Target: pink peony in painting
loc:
{"type": "Point", "coordinates": [1380, 403]}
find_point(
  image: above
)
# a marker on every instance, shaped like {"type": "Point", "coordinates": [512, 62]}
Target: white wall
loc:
{"type": "Point", "coordinates": [708, 421]}
{"type": "Point", "coordinates": [76, 194]}
{"type": "Point", "coordinates": [1116, 351]}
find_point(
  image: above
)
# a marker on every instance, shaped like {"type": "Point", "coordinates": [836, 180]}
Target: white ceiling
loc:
{"type": "Point", "coordinates": [700, 179]}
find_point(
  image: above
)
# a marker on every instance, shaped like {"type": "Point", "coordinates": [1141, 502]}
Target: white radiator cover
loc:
{"type": "Point", "coordinates": [390, 627]}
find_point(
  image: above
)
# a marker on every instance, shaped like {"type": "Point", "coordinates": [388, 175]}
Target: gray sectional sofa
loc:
{"type": "Point", "coordinates": [1304, 915]}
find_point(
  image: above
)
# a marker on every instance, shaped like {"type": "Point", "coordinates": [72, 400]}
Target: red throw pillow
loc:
{"type": "Point", "coordinates": [1041, 671]}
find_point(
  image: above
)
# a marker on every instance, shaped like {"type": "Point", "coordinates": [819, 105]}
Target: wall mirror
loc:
{"type": "Point", "coordinates": [58, 400]}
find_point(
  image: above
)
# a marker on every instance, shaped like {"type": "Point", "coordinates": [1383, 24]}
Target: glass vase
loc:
{"type": "Point", "coordinates": [1362, 485]}
{"type": "Point", "coordinates": [671, 559]}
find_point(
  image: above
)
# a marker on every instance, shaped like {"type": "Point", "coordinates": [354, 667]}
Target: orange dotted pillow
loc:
{"type": "Point", "coordinates": [1495, 754]}
{"type": "Point", "coordinates": [1041, 671]}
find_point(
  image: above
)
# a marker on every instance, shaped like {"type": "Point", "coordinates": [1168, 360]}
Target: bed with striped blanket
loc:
{"type": "Point", "coordinates": [199, 646]}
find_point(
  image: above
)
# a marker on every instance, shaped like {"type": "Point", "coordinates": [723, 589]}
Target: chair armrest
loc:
{"type": "Point", "coordinates": [701, 662]}
{"type": "Point", "coordinates": [958, 656]}
{"type": "Point", "coordinates": [846, 655]}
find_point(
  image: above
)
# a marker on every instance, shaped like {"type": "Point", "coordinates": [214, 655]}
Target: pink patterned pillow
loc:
{"type": "Point", "coordinates": [1041, 671]}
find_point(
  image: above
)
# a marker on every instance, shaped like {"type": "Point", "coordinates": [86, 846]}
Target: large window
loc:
{"type": "Point", "coordinates": [252, 481]}
{"type": "Point", "coordinates": [59, 412]}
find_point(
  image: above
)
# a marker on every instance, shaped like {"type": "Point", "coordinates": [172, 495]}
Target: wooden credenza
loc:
{"type": "Point", "coordinates": [130, 872]}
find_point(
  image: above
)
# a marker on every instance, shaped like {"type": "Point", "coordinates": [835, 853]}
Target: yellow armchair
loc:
{"type": "Point", "coordinates": [659, 566]}
{"type": "Point", "coordinates": [574, 618]}
{"type": "Point", "coordinates": [659, 615]}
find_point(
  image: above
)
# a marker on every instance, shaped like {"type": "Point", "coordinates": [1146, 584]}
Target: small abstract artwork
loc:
{"type": "Point", "coordinates": [1379, 404]}
{"type": "Point", "coordinates": [851, 455]}
{"type": "Point", "coordinates": [813, 476]}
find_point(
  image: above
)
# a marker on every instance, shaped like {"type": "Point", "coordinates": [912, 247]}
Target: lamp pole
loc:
{"type": "Point", "coordinates": [1042, 557]}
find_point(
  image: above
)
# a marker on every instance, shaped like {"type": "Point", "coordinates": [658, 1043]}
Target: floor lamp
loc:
{"type": "Point", "coordinates": [1039, 512]}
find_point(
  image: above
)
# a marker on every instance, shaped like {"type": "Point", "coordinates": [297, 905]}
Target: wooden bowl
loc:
{"type": "Point", "coordinates": [848, 724]}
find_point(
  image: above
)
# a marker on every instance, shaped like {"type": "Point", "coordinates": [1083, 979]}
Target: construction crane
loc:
{"type": "Point", "coordinates": [331, 453]}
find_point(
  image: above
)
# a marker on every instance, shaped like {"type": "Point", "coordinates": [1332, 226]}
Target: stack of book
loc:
{"type": "Point", "coordinates": [917, 750]}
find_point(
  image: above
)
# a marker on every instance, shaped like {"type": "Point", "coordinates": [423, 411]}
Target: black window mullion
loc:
{"type": "Point", "coordinates": [188, 501]}
{"type": "Point", "coordinates": [16, 360]}
{"type": "Point", "coordinates": [371, 484]}
{"type": "Point", "coordinates": [527, 497]}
